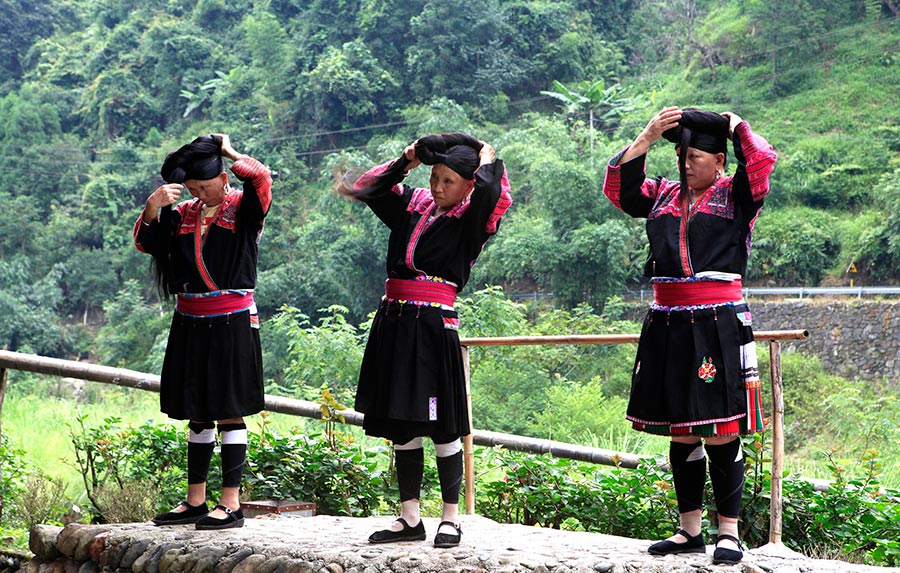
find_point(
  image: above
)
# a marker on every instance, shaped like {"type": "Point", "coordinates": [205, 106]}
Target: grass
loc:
{"type": "Point", "coordinates": [40, 423]}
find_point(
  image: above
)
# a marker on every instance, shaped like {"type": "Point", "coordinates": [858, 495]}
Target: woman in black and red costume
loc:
{"type": "Point", "coordinates": [205, 251]}
{"type": "Point", "coordinates": [411, 381]}
{"type": "Point", "coordinates": [695, 376]}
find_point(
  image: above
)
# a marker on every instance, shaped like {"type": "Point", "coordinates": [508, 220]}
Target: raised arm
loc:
{"type": "Point", "coordinates": [756, 160]}
{"type": "Point", "coordinates": [666, 119]}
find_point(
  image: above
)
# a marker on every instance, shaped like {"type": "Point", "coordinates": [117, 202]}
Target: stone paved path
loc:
{"type": "Point", "coordinates": [327, 544]}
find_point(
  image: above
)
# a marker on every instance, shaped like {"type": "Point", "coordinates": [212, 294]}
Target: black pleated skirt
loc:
{"type": "Point", "coordinates": [411, 382]}
{"type": "Point", "coordinates": [212, 368]}
{"type": "Point", "coordinates": [696, 373]}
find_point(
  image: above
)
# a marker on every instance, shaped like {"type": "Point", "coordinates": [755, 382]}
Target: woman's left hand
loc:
{"type": "Point", "coordinates": [486, 155]}
{"type": "Point", "coordinates": [227, 150]}
{"type": "Point", "coordinates": [733, 121]}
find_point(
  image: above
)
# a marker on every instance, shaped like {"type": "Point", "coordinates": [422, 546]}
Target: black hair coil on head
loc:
{"type": "Point", "coordinates": [200, 159]}
{"type": "Point", "coordinates": [458, 151]}
{"type": "Point", "coordinates": [703, 130]}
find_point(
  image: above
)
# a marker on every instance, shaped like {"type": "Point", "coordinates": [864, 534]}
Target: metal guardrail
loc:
{"type": "Point", "coordinates": [799, 292]}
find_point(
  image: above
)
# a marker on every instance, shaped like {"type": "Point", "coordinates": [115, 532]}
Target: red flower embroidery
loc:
{"type": "Point", "coordinates": [707, 370]}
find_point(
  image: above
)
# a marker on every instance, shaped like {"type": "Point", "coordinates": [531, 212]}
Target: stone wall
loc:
{"type": "Point", "coordinates": [857, 339]}
{"type": "Point", "coordinates": [854, 338]}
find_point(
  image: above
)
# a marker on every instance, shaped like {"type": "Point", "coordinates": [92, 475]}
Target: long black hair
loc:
{"type": "Point", "coordinates": [200, 159]}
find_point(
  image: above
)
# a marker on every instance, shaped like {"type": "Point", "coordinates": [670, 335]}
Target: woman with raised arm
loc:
{"type": "Point", "coordinates": [695, 377]}
{"type": "Point", "coordinates": [411, 381]}
{"type": "Point", "coordinates": [205, 251]}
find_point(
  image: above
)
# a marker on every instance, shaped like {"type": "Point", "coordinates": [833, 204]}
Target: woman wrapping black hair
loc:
{"type": "Point", "coordinates": [200, 159]}
{"type": "Point", "coordinates": [206, 250]}
{"type": "Point", "coordinates": [695, 376]}
{"type": "Point", "coordinates": [411, 382]}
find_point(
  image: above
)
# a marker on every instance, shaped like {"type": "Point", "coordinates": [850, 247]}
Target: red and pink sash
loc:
{"type": "Point", "coordinates": [697, 292]}
{"type": "Point", "coordinates": [214, 303]}
{"type": "Point", "coordinates": [421, 290]}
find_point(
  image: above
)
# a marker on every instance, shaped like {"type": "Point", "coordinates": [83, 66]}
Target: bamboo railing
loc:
{"type": "Point", "coordinates": [774, 337]}
{"type": "Point", "coordinates": [291, 406]}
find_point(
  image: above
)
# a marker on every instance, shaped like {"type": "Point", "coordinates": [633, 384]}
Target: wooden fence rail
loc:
{"type": "Point", "coordinates": [291, 406]}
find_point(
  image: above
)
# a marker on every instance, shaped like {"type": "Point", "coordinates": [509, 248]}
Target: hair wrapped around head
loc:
{"type": "Point", "coordinates": [703, 130]}
{"type": "Point", "coordinates": [200, 159]}
{"type": "Point", "coordinates": [458, 151]}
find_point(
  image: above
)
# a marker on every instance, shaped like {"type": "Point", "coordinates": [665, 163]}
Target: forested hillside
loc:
{"type": "Point", "coordinates": [94, 92]}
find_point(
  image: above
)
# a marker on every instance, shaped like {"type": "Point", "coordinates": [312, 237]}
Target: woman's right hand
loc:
{"type": "Point", "coordinates": [164, 195]}
{"type": "Point", "coordinates": [410, 153]}
{"type": "Point", "coordinates": [666, 119]}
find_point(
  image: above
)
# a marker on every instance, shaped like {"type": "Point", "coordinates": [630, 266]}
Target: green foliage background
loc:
{"type": "Point", "coordinates": [94, 92]}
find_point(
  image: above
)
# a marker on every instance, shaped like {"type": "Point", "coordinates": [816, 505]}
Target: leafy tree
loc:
{"type": "Point", "coordinates": [524, 255]}
{"type": "Point", "coordinates": [129, 338]}
{"type": "Point", "coordinates": [464, 54]}
{"type": "Point", "coordinates": [880, 256]}
{"type": "Point", "coordinates": [118, 103]}
{"type": "Point", "coordinates": [799, 244]}
{"type": "Point", "coordinates": [592, 267]}
{"type": "Point", "coordinates": [334, 262]}
{"type": "Point", "coordinates": [34, 19]}
{"type": "Point", "coordinates": [344, 87]}
{"type": "Point", "coordinates": [28, 305]}
{"type": "Point", "coordinates": [325, 355]}
{"type": "Point", "coordinates": [563, 41]}
{"type": "Point", "coordinates": [19, 225]}
{"type": "Point", "coordinates": [272, 54]}
{"type": "Point", "coordinates": [88, 279]}
{"type": "Point", "coordinates": [381, 23]}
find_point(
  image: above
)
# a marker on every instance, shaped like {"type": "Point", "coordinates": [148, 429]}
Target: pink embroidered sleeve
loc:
{"type": "Point", "coordinates": [139, 226]}
{"type": "Point", "coordinates": [503, 203]}
{"type": "Point", "coordinates": [760, 160]}
{"type": "Point", "coordinates": [261, 176]}
{"type": "Point", "coordinates": [633, 187]}
{"type": "Point", "coordinates": [612, 183]}
{"type": "Point", "coordinates": [370, 177]}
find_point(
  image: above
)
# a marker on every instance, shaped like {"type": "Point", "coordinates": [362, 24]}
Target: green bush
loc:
{"type": "Point", "coordinates": [565, 494]}
{"type": "Point", "coordinates": [797, 244]}
{"type": "Point", "coordinates": [12, 477]}
{"type": "Point", "coordinates": [855, 515]}
{"type": "Point", "coordinates": [329, 468]}
{"type": "Point", "coordinates": [112, 458]}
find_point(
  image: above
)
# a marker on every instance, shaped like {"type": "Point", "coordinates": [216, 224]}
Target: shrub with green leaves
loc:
{"type": "Point", "coordinates": [112, 458]}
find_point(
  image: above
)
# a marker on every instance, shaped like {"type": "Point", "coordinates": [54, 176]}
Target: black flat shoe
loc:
{"type": "Point", "coordinates": [448, 539]}
{"type": "Point", "coordinates": [189, 515]}
{"type": "Point", "coordinates": [694, 544]}
{"type": "Point", "coordinates": [234, 518]}
{"type": "Point", "coordinates": [724, 556]}
{"type": "Point", "coordinates": [408, 533]}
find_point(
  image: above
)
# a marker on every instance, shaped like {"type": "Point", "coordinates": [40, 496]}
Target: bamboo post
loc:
{"type": "Point", "coordinates": [2, 397]}
{"type": "Point", "coordinates": [468, 447]}
{"type": "Point", "coordinates": [776, 507]}
{"type": "Point", "coordinates": [2, 394]}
